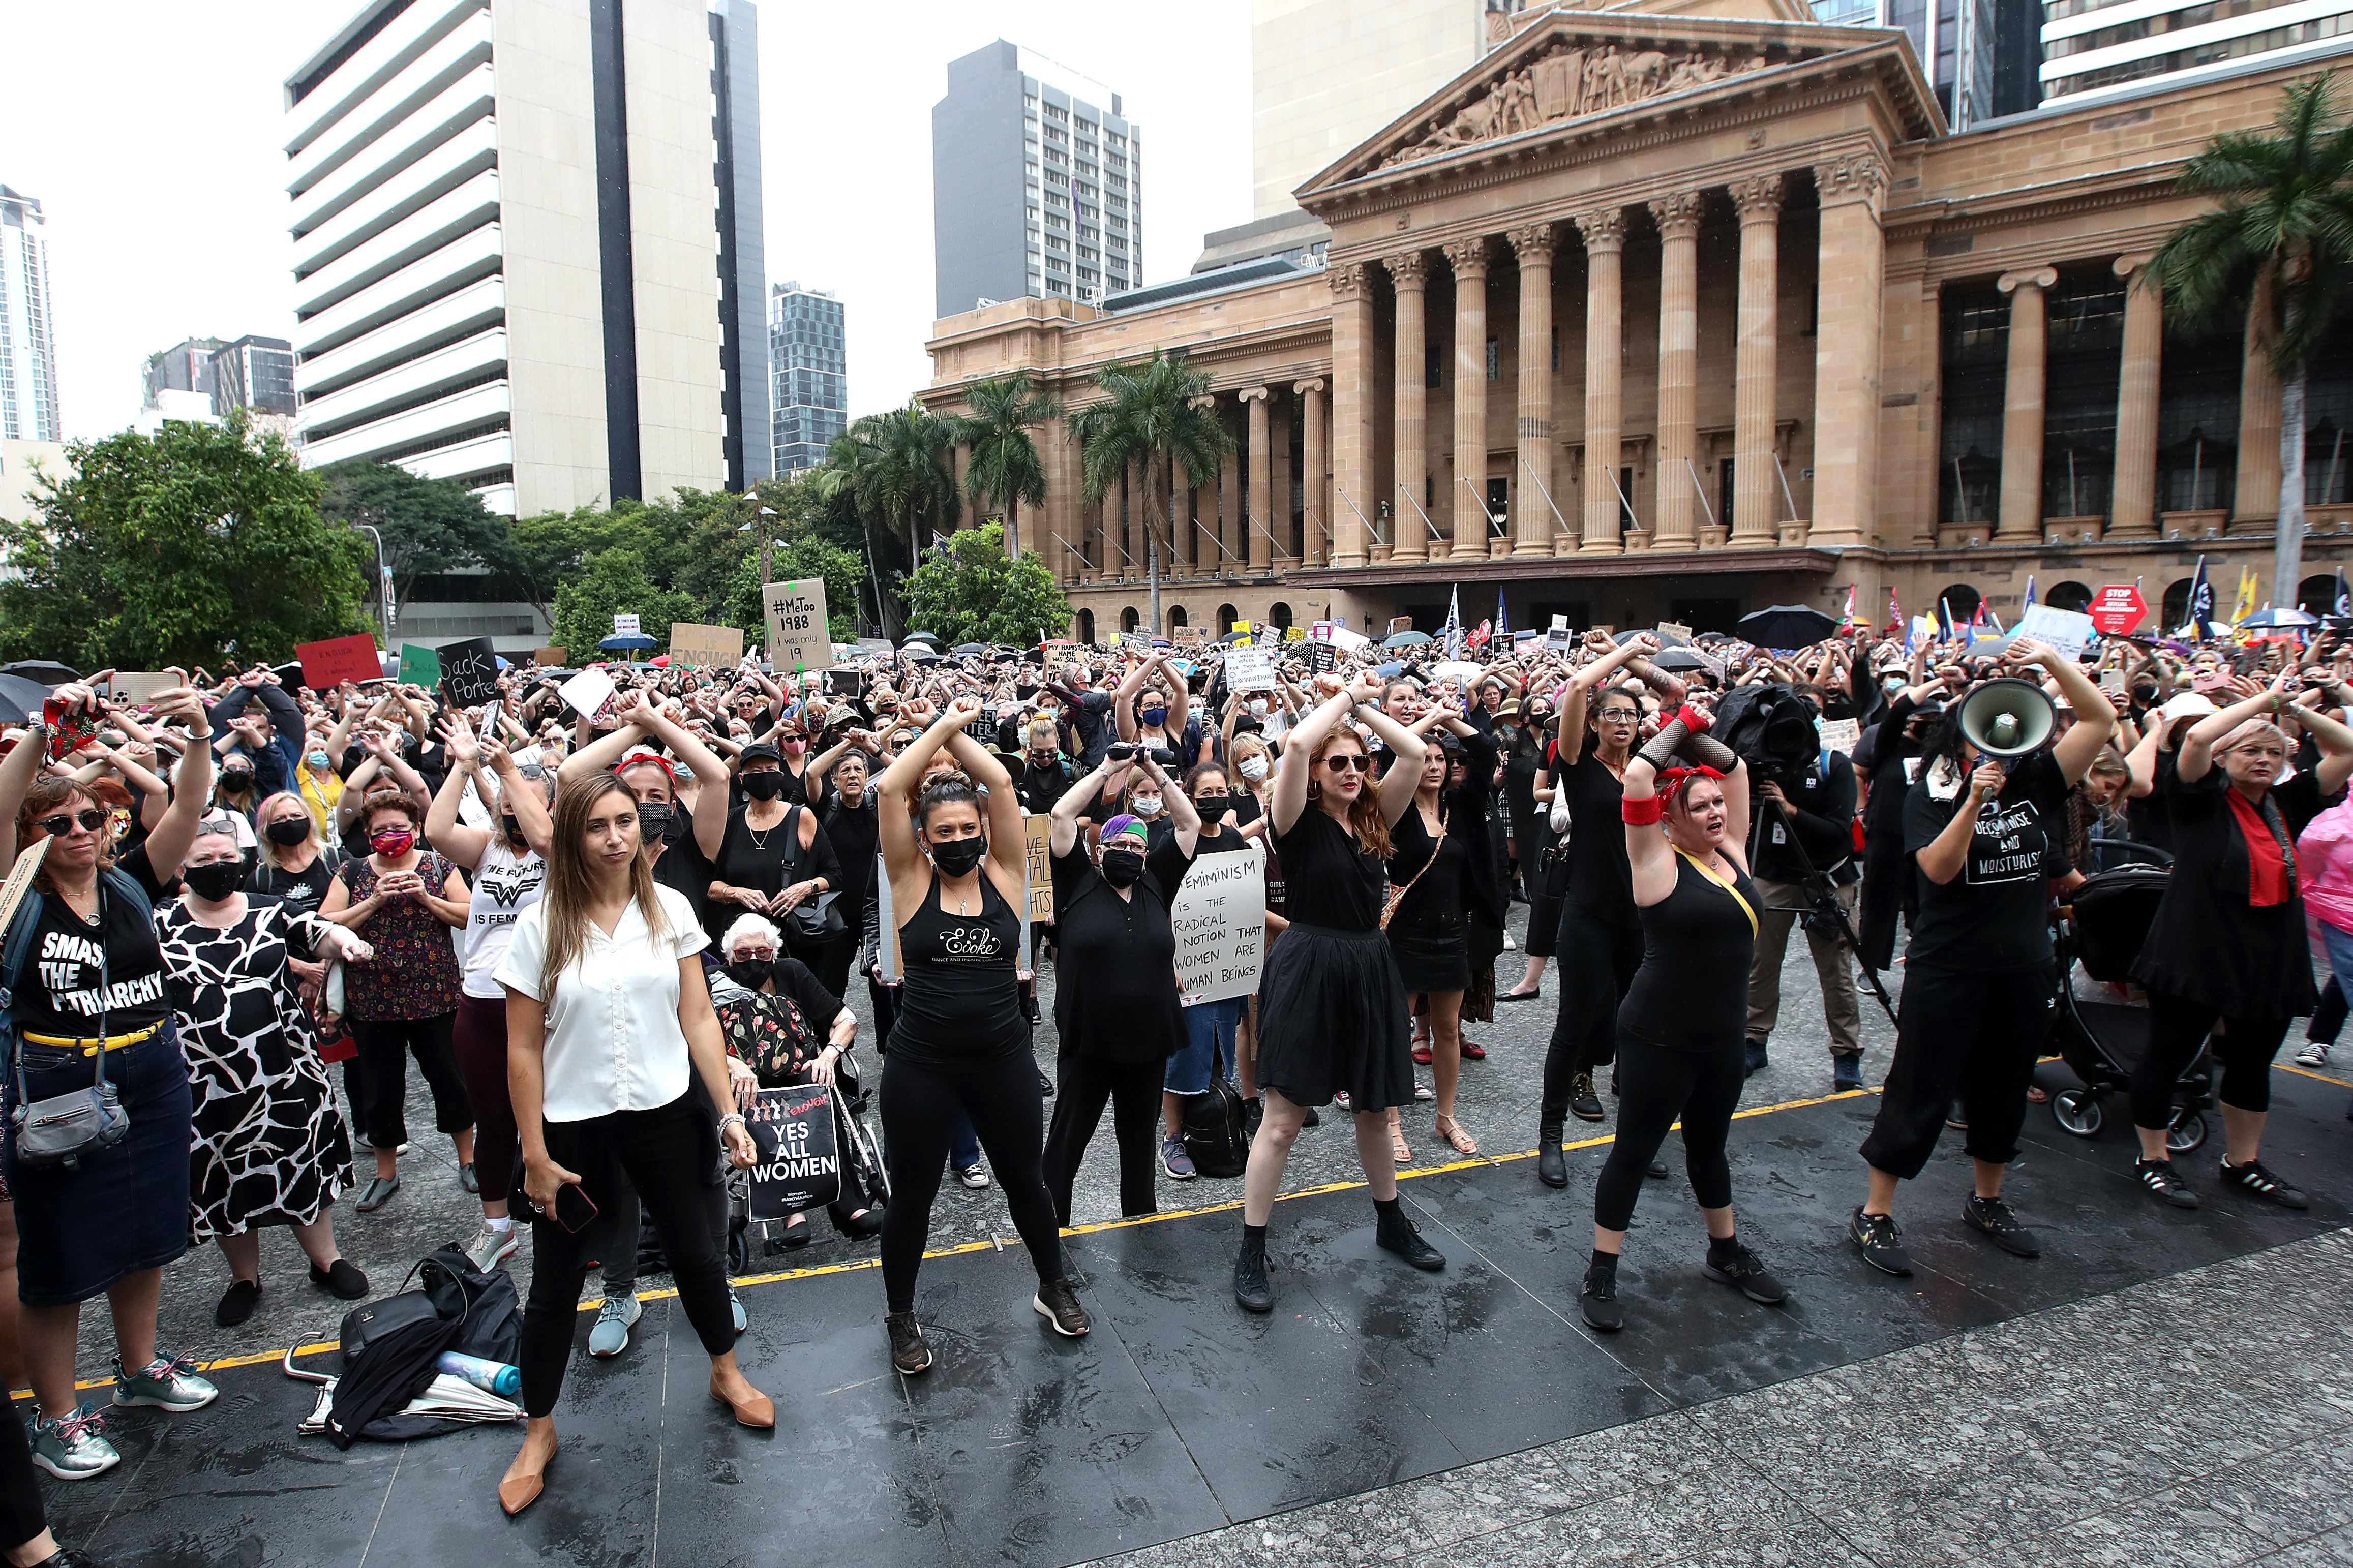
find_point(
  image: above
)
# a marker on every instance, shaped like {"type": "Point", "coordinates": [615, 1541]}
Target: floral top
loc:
{"type": "Point", "coordinates": [415, 972]}
{"type": "Point", "coordinates": [778, 1034]}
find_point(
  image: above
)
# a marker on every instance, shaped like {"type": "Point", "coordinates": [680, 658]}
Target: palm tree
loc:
{"type": "Point", "coordinates": [1150, 412]}
{"type": "Point", "coordinates": [902, 477]}
{"type": "Point", "coordinates": [1003, 466]}
{"type": "Point", "coordinates": [2281, 238]}
{"type": "Point", "coordinates": [841, 481]}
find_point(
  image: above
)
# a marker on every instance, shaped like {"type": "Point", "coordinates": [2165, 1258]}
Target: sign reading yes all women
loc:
{"type": "Point", "coordinates": [1219, 916]}
{"type": "Point", "coordinates": [799, 1164]}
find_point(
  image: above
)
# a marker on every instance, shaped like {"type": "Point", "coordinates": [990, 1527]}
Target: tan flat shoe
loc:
{"type": "Point", "coordinates": [517, 1493]}
{"type": "Point", "coordinates": [758, 1411]}
{"type": "Point", "coordinates": [1398, 1153]}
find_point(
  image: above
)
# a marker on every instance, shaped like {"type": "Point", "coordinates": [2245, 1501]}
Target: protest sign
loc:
{"type": "Point", "coordinates": [797, 637]}
{"type": "Point", "coordinates": [472, 669]}
{"type": "Point", "coordinates": [1141, 642]}
{"type": "Point", "coordinates": [326, 665]}
{"type": "Point", "coordinates": [1191, 634]}
{"type": "Point", "coordinates": [2066, 630]}
{"type": "Point", "coordinates": [1322, 656]}
{"type": "Point", "coordinates": [1673, 629]}
{"type": "Point", "coordinates": [1558, 639]}
{"type": "Point", "coordinates": [550, 657]}
{"type": "Point", "coordinates": [420, 665]}
{"type": "Point", "coordinates": [1250, 668]}
{"type": "Point", "coordinates": [1034, 828]}
{"type": "Point", "coordinates": [1294, 633]}
{"type": "Point", "coordinates": [590, 693]}
{"type": "Point", "coordinates": [1219, 916]}
{"type": "Point", "coordinates": [1347, 641]}
{"type": "Point", "coordinates": [699, 647]}
{"type": "Point", "coordinates": [1839, 734]}
{"type": "Point", "coordinates": [799, 1164]}
{"type": "Point", "coordinates": [626, 626]}
{"type": "Point", "coordinates": [1401, 624]}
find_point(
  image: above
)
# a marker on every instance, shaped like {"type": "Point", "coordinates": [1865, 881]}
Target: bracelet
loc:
{"type": "Point", "coordinates": [734, 1116]}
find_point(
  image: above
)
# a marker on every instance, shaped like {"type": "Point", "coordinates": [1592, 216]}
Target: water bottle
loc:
{"type": "Point", "coordinates": [491, 1376]}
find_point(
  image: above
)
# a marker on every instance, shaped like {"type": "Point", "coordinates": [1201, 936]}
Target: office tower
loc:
{"type": "Point", "coordinates": [1037, 183]}
{"type": "Point", "coordinates": [1979, 55]}
{"type": "Point", "coordinates": [255, 374]}
{"type": "Point", "coordinates": [506, 266]}
{"type": "Point", "coordinates": [177, 383]}
{"type": "Point", "coordinates": [2092, 44]}
{"type": "Point", "coordinates": [809, 367]}
{"type": "Point", "coordinates": [28, 362]}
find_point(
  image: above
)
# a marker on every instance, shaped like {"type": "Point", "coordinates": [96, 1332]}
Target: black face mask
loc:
{"type": "Point", "coordinates": [1211, 807]}
{"type": "Point", "coordinates": [288, 830]}
{"type": "Point", "coordinates": [215, 880]}
{"type": "Point", "coordinates": [752, 973]}
{"type": "Point", "coordinates": [513, 830]}
{"type": "Point", "coordinates": [1123, 869]}
{"type": "Point", "coordinates": [654, 819]}
{"type": "Point", "coordinates": [236, 778]}
{"type": "Point", "coordinates": [764, 786]}
{"type": "Point", "coordinates": [959, 856]}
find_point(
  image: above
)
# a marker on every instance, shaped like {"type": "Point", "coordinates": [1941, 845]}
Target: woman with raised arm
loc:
{"type": "Point", "coordinates": [961, 1044]}
{"type": "Point", "coordinates": [1330, 1001]}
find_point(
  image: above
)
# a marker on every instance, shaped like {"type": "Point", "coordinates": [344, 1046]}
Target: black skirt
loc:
{"type": "Point", "coordinates": [1432, 953]}
{"type": "Point", "coordinates": [1332, 1018]}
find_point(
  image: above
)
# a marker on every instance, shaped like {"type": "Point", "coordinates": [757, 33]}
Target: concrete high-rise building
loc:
{"type": "Point", "coordinates": [29, 360]}
{"type": "Point", "coordinates": [1037, 183]}
{"type": "Point", "coordinates": [2088, 45]}
{"type": "Point", "coordinates": [1979, 55]}
{"type": "Point", "coordinates": [255, 374]}
{"type": "Point", "coordinates": [808, 368]}
{"type": "Point", "coordinates": [527, 246]}
{"type": "Point", "coordinates": [177, 383]}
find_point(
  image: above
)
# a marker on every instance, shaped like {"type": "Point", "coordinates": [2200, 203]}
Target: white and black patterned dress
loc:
{"type": "Point", "coordinates": [270, 1147]}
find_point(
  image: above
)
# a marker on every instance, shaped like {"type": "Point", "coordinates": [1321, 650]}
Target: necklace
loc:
{"type": "Point", "coordinates": [759, 835]}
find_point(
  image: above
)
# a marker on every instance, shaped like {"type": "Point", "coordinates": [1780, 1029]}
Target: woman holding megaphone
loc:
{"type": "Point", "coordinates": [1984, 823]}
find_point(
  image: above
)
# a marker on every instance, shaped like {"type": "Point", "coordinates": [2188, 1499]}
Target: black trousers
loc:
{"type": "Point", "coordinates": [384, 1047]}
{"type": "Point", "coordinates": [2177, 1027]}
{"type": "Point", "coordinates": [21, 1516]}
{"type": "Point", "coordinates": [669, 1154]}
{"type": "Point", "coordinates": [1596, 962]}
{"type": "Point", "coordinates": [1889, 889]}
{"type": "Point", "coordinates": [921, 1106]}
{"type": "Point", "coordinates": [1132, 1089]}
{"type": "Point", "coordinates": [1656, 1085]}
{"type": "Point", "coordinates": [1974, 1035]}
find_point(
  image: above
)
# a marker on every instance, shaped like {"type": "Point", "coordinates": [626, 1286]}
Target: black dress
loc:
{"type": "Point", "coordinates": [2207, 943]}
{"type": "Point", "coordinates": [1116, 997]}
{"type": "Point", "coordinates": [1430, 932]}
{"type": "Point", "coordinates": [768, 861]}
{"type": "Point", "coordinates": [1331, 1003]}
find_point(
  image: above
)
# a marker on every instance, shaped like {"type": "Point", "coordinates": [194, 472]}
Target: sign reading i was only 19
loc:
{"type": "Point", "coordinates": [799, 637]}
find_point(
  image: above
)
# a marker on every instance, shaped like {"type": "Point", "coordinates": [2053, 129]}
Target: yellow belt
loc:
{"type": "Point", "coordinates": [90, 1048]}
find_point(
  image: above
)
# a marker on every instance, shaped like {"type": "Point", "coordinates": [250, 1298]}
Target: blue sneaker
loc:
{"type": "Point", "coordinates": [1175, 1161]}
{"type": "Point", "coordinates": [610, 1337]}
{"type": "Point", "coordinates": [735, 1305]}
{"type": "Point", "coordinates": [167, 1383]}
{"type": "Point", "coordinates": [70, 1448]}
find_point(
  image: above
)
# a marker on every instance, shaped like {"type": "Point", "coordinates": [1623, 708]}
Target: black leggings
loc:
{"type": "Point", "coordinates": [1597, 963]}
{"type": "Point", "coordinates": [1975, 1036]}
{"type": "Point", "coordinates": [669, 1156]}
{"type": "Point", "coordinates": [384, 1046]}
{"type": "Point", "coordinates": [921, 1106]}
{"type": "Point", "coordinates": [1656, 1085]}
{"type": "Point", "coordinates": [1132, 1089]}
{"type": "Point", "coordinates": [2177, 1027]}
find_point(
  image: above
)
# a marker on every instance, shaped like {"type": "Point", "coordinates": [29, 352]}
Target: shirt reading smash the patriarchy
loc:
{"type": "Point", "coordinates": [1994, 915]}
{"type": "Point", "coordinates": [60, 991]}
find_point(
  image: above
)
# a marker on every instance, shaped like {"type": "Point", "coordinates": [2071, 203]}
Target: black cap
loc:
{"type": "Point", "coordinates": [759, 752]}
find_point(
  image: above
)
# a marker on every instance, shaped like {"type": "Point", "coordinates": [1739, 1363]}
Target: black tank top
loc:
{"type": "Point", "coordinates": [962, 1000]}
{"type": "Point", "coordinates": [1691, 992]}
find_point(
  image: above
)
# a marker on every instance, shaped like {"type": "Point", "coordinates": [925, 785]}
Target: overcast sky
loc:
{"type": "Point", "coordinates": [150, 132]}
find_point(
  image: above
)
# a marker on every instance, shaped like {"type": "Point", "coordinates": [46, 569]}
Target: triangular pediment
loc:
{"type": "Point", "coordinates": [1570, 68]}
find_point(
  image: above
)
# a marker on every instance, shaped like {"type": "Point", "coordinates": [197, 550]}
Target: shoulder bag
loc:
{"type": "Point", "coordinates": [62, 1129]}
{"type": "Point", "coordinates": [814, 921]}
{"type": "Point", "coordinates": [1396, 896]}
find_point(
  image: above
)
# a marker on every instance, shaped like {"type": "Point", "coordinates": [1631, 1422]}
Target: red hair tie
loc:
{"type": "Point", "coordinates": [1673, 779]}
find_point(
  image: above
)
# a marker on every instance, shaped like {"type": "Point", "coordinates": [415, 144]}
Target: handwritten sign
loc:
{"type": "Point", "coordinates": [550, 657]}
{"type": "Point", "coordinates": [626, 626]}
{"type": "Point", "coordinates": [797, 637]}
{"type": "Point", "coordinates": [1035, 828]}
{"type": "Point", "coordinates": [699, 647]}
{"type": "Point", "coordinates": [1190, 635]}
{"type": "Point", "coordinates": [326, 665]}
{"type": "Point", "coordinates": [472, 669]}
{"type": "Point", "coordinates": [1670, 629]}
{"type": "Point", "coordinates": [420, 665]}
{"type": "Point", "coordinates": [797, 1164]}
{"type": "Point", "coordinates": [1219, 916]}
{"type": "Point", "coordinates": [1250, 669]}
{"type": "Point", "coordinates": [590, 693]}
{"type": "Point", "coordinates": [2066, 630]}
{"type": "Point", "coordinates": [1840, 734]}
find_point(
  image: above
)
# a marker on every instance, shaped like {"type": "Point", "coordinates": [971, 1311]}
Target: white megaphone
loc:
{"type": "Point", "coordinates": [2007, 719]}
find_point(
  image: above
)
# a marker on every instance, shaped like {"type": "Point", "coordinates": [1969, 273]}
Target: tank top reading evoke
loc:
{"type": "Point", "coordinates": [961, 1001]}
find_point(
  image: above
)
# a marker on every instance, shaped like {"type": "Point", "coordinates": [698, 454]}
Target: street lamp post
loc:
{"type": "Point", "coordinates": [383, 583]}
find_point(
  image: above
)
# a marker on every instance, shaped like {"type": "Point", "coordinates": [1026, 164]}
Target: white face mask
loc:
{"type": "Point", "coordinates": [1252, 768]}
{"type": "Point", "coordinates": [1258, 707]}
{"type": "Point", "coordinates": [1146, 806]}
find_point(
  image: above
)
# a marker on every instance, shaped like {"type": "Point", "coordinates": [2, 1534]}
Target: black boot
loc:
{"type": "Point", "coordinates": [1396, 1233]}
{"type": "Point", "coordinates": [1253, 1290]}
{"type": "Point", "coordinates": [1552, 1165]}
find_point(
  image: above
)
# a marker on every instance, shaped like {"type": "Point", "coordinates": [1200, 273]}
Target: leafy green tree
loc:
{"type": "Point", "coordinates": [613, 582]}
{"type": "Point", "coordinates": [429, 526]}
{"type": "Point", "coordinates": [798, 561]}
{"type": "Point", "coordinates": [968, 590]}
{"type": "Point", "coordinates": [200, 544]}
{"type": "Point", "coordinates": [547, 549]}
{"type": "Point", "coordinates": [901, 476]}
{"type": "Point", "coordinates": [1150, 414]}
{"type": "Point", "coordinates": [1004, 469]}
{"type": "Point", "coordinates": [2281, 240]}
{"type": "Point", "coordinates": [842, 484]}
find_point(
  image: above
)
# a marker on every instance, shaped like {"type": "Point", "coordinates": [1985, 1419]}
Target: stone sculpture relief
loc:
{"type": "Point", "coordinates": [1567, 82]}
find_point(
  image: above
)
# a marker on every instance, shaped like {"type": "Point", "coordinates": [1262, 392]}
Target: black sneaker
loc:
{"type": "Point", "coordinates": [909, 1353]}
{"type": "Point", "coordinates": [1999, 1221]}
{"type": "Point", "coordinates": [1746, 1272]}
{"type": "Point", "coordinates": [1313, 1118]}
{"type": "Point", "coordinates": [1395, 1233]}
{"type": "Point", "coordinates": [1881, 1241]}
{"type": "Point", "coordinates": [1956, 1117]}
{"type": "Point", "coordinates": [238, 1305]}
{"type": "Point", "coordinates": [2253, 1179]}
{"type": "Point", "coordinates": [1753, 1057]}
{"type": "Point", "coordinates": [1059, 1305]}
{"type": "Point", "coordinates": [1253, 1290]}
{"type": "Point", "coordinates": [1253, 1114]}
{"type": "Point", "coordinates": [1596, 1299]}
{"type": "Point", "coordinates": [2157, 1177]}
{"type": "Point", "coordinates": [1583, 1103]}
{"type": "Point", "coordinates": [1846, 1071]}
{"type": "Point", "coordinates": [1656, 1169]}
{"type": "Point", "coordinates": [1552, 1165]}
{"type": "Point", "coordinates": [1045, 1084]}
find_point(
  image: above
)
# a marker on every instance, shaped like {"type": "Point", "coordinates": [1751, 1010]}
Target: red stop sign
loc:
{"type": "Point", "coordinates": [2117, 609]}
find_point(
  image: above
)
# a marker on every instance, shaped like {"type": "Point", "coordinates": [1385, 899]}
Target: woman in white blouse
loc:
{"type": "Point", "coordinates": [609, 1028]}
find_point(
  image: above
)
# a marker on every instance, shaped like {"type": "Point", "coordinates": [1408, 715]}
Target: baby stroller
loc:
{"type": "Point", "coordinates": [851, 1100]}
{"type": "Point", "coordinates": [2101, 1022]}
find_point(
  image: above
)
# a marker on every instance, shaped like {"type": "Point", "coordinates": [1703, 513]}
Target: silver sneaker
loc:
{"type": "Point", "coordinates": [491, 1247]}
{"type": "Point", "coordinates": [167, 1383]}
{"type": "Point", "coordinates": [2314, 1055]}
{"type": "Point", "coordinates": [70, 1448]}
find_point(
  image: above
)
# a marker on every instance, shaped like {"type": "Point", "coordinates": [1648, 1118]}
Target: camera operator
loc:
{"type": "Point", "coordinates": [1805, 822]}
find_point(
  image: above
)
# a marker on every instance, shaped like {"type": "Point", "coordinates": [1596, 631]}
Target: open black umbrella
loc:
{"type": "Point", "coordinates": [21, 699]}
{"type": "Point", "coordinates": [48, 672]}
{"type": "Point", "coordinates": [1684, 659]}
{"type": "Point", "coordinates": [969, 649]}
{"type": "Point", "coordinates": [1787, 625]}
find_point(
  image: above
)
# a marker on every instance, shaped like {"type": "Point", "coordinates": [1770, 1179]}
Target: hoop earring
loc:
{"type": "Point", "coordinates": [1314, 790]}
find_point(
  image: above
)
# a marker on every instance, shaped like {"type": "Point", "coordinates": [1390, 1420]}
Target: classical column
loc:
{"type": "Point", "coordinates": [1605, 248]}
{"type": "Point", "coordinates": [2258, 489]}
{"type": "Point", "coordinates": [1846, 350]}
{"type": "Point", "coordinates": [1257, 510]}
{"type": "Point", "coordinates": [1139, 536]}
{"type": "Point", "coordinates": [1232, 546]}
{"type": "Point", "coordinates": [1469, 259]}
{"type": "Point", "coordinates": [1277, 511]}
{"type": "Point", "coordinates": [1532, 480]}
{"type": "Point", "coordinates": [1673, 526]}
{"type": "Point", "coordinates": [1927, 506]}
{"type": "Point", "coordinates": [960, 513]}
{"type": "Point", "coordinates": [2021, 517]}
{"type": "Point", "coordinates": [1411, 464]}
{"type": "Point", "coordinates": [2132, 494]}
{"type": "Point", "coordinates": [1755, 488]}
{"type": "Point", "coordinates": [1042, 523]}
{"type": "Point", "coordinates": [1314, 518]}
{"type": "Point", "coordinates": [1352, 412]}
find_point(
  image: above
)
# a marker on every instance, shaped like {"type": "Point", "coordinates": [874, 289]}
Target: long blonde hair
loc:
{"type": "Point", "coordinates": [565, 898]}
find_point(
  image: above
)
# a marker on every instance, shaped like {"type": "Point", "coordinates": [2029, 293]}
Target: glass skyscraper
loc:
{"type": "Point", "coordinates": [809, 370]}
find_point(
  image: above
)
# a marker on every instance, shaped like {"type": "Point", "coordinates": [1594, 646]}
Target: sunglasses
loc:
{"type": "Point", "coordinates": [63, 823]}
{"type": "Point", "coordinates": [753, 954]}
{"type": "Point", "coordinates": [1348, 761]}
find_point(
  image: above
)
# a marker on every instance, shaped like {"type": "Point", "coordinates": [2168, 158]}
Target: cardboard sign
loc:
{"type": "Point", "coordinates": [420, 665]}
{"type": "Point", "coordinates": [590, 694]}
{"type": "Point", "coordinates": [1190, 635]}
{"type": "Point", "coordinates": [2066, 630]}
{"type": "Point", "coordinates": [1405, 624]}
{"type": "Point", "coordinates": [798, 638]}
{"type": "Point", "coordinates": [1139, 641]}
{"type": "Point", "coordinates": [1035, 828]}
{"type": "Point", "coordinates": [327, 665]}
{"type": "Point", "coordinates": [626, 626]}
{"type": "Point", "coordinates": [1219, 916]}
{"type": "Point", "coordinates": [550, 657]}
{"type": "Point", "coordinates": [699, 647]}
{"type": "Point", "coordinates": [1670, 629]}
{"type": "Point", "coordinates": [471, 669]}
{"type": "Point", "coordinates": [1839, 734]}
{"type": "Point", "coordinates": [1250, 668]}
{"type": "Point", "coordinates": [799, 1164]}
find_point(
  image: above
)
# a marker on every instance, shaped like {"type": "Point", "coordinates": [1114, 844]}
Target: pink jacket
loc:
{"type": "Point", "coordinates": [2324, 864]}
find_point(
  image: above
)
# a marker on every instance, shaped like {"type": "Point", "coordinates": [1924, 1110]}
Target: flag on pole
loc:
{"type": "Point", "coordinates": [1847, 614]}
{"type": "Point", "coordinates": [1895, 610]}
{"type": "Point", "coordinates": [1943, 620]}
{"type": "Point", "coordinates": [1480, 634]}
{"type": "Point", "coordinates": [2245, 604]}
{"type": "Point", "coordinates": [1503, 622]}
{"type": "Point", "coordinates": [1451, 637]}
{"type": "Point", "coordinates": [2028, 603]}
{"type": "Point", "coordinates": [2343, 604]}
{"type": "Point", "coordinates": [2201, 603]}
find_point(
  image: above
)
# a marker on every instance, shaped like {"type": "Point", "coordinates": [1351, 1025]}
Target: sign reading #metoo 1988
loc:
{"type": "Point", "coordinates": [797, 636]}
{"type": "Point", "coordinates": [1219, 916]}
{"type": "Point", "coordinates": [799, 1165]}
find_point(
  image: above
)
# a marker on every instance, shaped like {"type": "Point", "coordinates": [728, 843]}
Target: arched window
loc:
{"type": "Point", "coordinates": [2070, 595]}
{"type": "Point", "coordinates": [2317, 596]}
{"type": "Point", "coordinates": [1960, 601]}
{"type": "Point", "coordinates": [1227, 616]}
{"type": "Point", "coordinates": [1280, 615]}
{"type": "Point", "coordinates": [1128, 619]}
{"type": "Point", "coordinates": [2177, 606]}
{"type": "Point", "coordinates": [1176, 618]}
{"type": "Point", "coordinates": [1086, 625]}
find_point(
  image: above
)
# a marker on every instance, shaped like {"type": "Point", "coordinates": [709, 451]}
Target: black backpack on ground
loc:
{"type": "Point", "coordinates": [390, 1347]}
{"type": "Point", "coordinates": [1217, 1138]}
